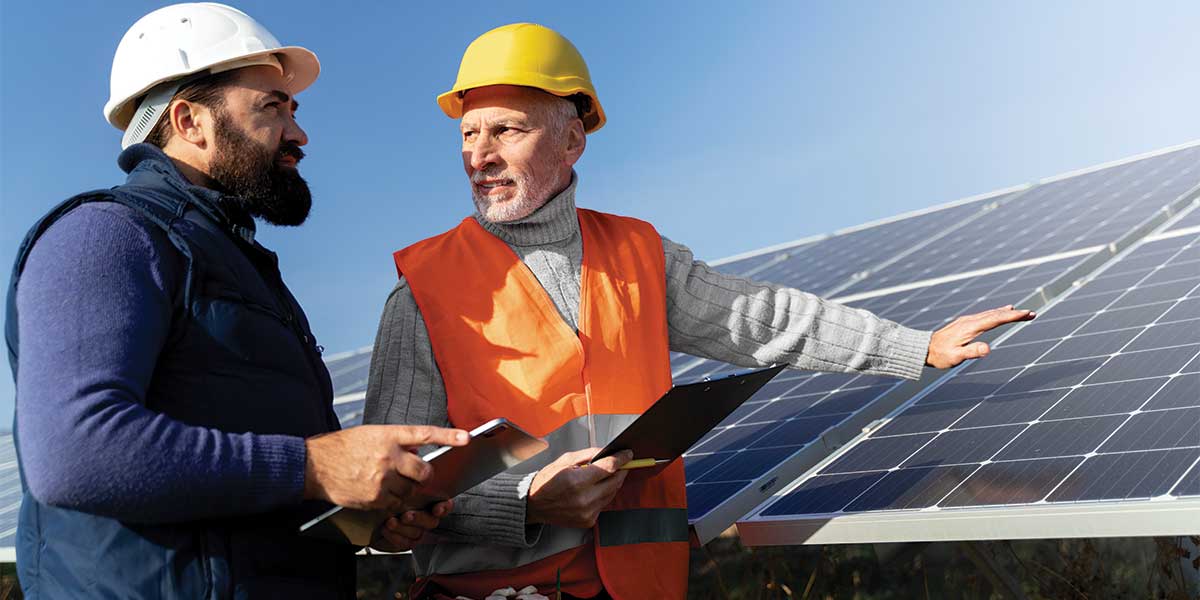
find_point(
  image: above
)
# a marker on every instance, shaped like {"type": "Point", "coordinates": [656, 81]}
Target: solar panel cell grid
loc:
{"type": "Point", "coordinates": [786, 419]}
{"type": "Point", "coordinates": [1086, 210]}
{"type": "Point", "coordinates": [1105, 406]}
{"type": "Point", "coordinates": [832, 262]}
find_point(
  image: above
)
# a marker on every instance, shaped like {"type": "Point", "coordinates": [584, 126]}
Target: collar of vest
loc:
{"type": "Point", "coordinates": [554, 222]}
{"type": "Point", "coordinates": [148, 166]}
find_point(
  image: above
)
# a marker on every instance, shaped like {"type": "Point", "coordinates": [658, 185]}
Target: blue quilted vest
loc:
{"type": "Point", "coordinates": [240, 358]}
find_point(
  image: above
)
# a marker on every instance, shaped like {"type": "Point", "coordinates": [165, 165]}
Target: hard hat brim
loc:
{"type": "Point", "coordinates": [300, 63]}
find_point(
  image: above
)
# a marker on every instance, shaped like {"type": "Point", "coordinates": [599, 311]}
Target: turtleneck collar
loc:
{"type": "Point", "coordinates": [554, 222]}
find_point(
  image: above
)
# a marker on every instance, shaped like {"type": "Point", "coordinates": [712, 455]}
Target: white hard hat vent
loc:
{"type": "Point", "coordinates": [253, 44]}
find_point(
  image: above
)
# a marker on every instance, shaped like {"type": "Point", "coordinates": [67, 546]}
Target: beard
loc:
{"type": "Point", "coordinates": [530, 195]}
{"type": "Point", "coordinates": [252, 173]}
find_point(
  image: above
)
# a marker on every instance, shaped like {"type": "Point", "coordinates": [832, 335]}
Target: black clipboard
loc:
{"type": "Point", "coordinates": [684, 414]}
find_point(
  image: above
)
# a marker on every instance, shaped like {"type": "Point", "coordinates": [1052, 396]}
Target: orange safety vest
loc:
{"type": "Point", "coordinates": [505, 351]}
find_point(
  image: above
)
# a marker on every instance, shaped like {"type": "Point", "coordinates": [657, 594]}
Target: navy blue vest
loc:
{"type": "Point", "coordinates": [240, 358]}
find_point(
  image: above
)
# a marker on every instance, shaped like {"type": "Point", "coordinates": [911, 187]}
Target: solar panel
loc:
{"type": "Point", "coordinates": [349, 370]}
{"type": "Point", "coordinates": [752, 262]}
{"type": "Point", "coordinates": [10, 498]}
{"type": "Point", "coordinates": [1069, 213]}
{"type": "Point", "coordinates": [824, 267]}
{"type": "Point", "coordinates": [715, 495]}
{"type": "Point", "coordinates": [1096, 406]}
{"type": "Point", "coordinates": [801, 417]}
{"type": "Point", "coordinates": [1190, 220]}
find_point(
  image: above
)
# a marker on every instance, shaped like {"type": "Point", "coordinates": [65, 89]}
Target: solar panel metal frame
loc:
{"type": "Point", "coordinates": [1106, 518]}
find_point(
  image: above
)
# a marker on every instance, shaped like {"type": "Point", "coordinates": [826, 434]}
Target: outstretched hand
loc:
{"type": "Point", "coordinates": [955, 343]}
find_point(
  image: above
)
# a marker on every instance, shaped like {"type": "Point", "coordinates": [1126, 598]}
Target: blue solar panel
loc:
{"type": "Point", "coordinates": [798, 409]}
{"type": "Point", "coordinates": [10, 497]}
{"type": "Point", "coordinates": [1104, 405]}
{"type": "Point", "coordinates": [832, 263]}
{"type": "Point", "coordinates": [1089, 209]}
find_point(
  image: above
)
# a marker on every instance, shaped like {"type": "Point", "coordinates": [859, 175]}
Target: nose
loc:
{"type": "Point", "coordinates": [295, 134]}
{"type": "Point", "coordinates": [481, 154]}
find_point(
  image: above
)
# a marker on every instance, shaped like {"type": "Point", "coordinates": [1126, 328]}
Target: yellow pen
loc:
{"type": "Point", "coordinates": [639, 463]}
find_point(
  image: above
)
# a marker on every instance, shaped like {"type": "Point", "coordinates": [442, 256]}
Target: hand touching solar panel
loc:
{"type": "Point", "coordinates": [955, 343]}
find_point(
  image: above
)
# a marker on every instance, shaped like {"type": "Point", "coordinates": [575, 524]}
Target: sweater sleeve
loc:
{"type": "Point", "coordinates": [405, 387]}
{"type": "Point", "coordinates": [95, 303]}
{"type": "Point", "coordinates": [748, 323]}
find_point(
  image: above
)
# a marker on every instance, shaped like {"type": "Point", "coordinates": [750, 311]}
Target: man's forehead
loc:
{"type": "Point", "coordinates": [497, 99]}
{"type": "Point", "coordinates": [262, 79]}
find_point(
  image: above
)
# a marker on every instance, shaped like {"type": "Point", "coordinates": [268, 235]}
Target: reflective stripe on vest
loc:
{"type": "Point", "coordinates": [642, 526]}
{"type": "Point", "coordinates": [504, 351]}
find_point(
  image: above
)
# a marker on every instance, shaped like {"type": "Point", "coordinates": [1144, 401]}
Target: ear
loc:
{"type": "Point", "coordinates": [191, 122]}
{"type": "Point", "coordinates": [576, 142]}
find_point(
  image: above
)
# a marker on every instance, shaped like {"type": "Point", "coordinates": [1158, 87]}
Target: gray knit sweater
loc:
{"type": "Point", "coordinates": [709, 314]}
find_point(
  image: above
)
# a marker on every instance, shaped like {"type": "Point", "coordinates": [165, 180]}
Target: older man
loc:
{"type": "Point", "coordinates": [561, 319]}
{"type": "Point", "coordinates": [174, 418]}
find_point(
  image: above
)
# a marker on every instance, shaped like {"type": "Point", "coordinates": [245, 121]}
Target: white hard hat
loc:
{"type": "Point", "coordinates": [176, 41]}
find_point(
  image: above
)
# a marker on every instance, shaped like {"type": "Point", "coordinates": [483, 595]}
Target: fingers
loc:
{"type": "Point", "coordinates": [996, 317]}
{"type": "Point", "coordinates": [974, 350]}
{"type": "Point", "coordinates": [406, 529]}
{"type": "Point", "coordinates": [442, 508]}
{"type": "Point", "coordinates": [400, 536]}
{"type": "Point", "coordinates": [610, 486]}
{"type": "Point", "coordinates": [418, 519]}
{"type": "Point", "coordinates": [410, 466]}
{"type": "Point", "coordinates": [578, 457]}
{"type": "Point", "coordinates": [607, 466]}
{"type": "Point", "coordinates": [422, 435]}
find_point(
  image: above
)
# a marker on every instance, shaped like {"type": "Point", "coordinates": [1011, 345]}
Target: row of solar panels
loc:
{"type": "Point", "coordinates": [1024, 246]}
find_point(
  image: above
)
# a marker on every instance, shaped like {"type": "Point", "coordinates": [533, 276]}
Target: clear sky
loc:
{"type": "Point", "coordinates": [732, 125]}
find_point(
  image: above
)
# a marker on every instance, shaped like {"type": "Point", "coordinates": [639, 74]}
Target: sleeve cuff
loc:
{"type": "Point", "coordinates": [494, 512]}
{"type": "Point", "coordinates": [277, 468]}
{"type": "Point", "coordinates": [907, 350]}
{"type": "Point", "coordinates": [509, 504]}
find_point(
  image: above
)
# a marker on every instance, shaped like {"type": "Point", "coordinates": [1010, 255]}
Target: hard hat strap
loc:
{"type": "Point", "coordinates": [149, 112]}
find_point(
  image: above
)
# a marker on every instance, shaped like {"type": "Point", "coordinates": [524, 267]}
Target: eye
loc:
{"type": "Point", "coordinates": [469, 135]}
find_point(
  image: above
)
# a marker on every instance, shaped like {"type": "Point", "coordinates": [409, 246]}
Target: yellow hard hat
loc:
{"type": "Point", "coordinates": [529, 55]}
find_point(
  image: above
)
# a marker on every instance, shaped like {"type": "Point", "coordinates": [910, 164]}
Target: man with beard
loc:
{"type": "Point", "coordinates": [562, 319]}
{"type": "Point", "coordinates": [174, 418]}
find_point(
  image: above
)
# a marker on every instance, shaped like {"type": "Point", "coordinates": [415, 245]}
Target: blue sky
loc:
{"type": "Point", "coordinates": [732, 126]}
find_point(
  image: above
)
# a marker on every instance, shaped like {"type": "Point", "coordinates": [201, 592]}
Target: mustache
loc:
{"type": "Point", "coordinates": [481, 176]}
{"type": "Point", "coordinates": [291, 150]}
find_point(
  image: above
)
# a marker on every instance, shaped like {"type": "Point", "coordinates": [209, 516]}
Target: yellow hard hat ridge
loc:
{"type": "Point", "coordinates": [529, 55]}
